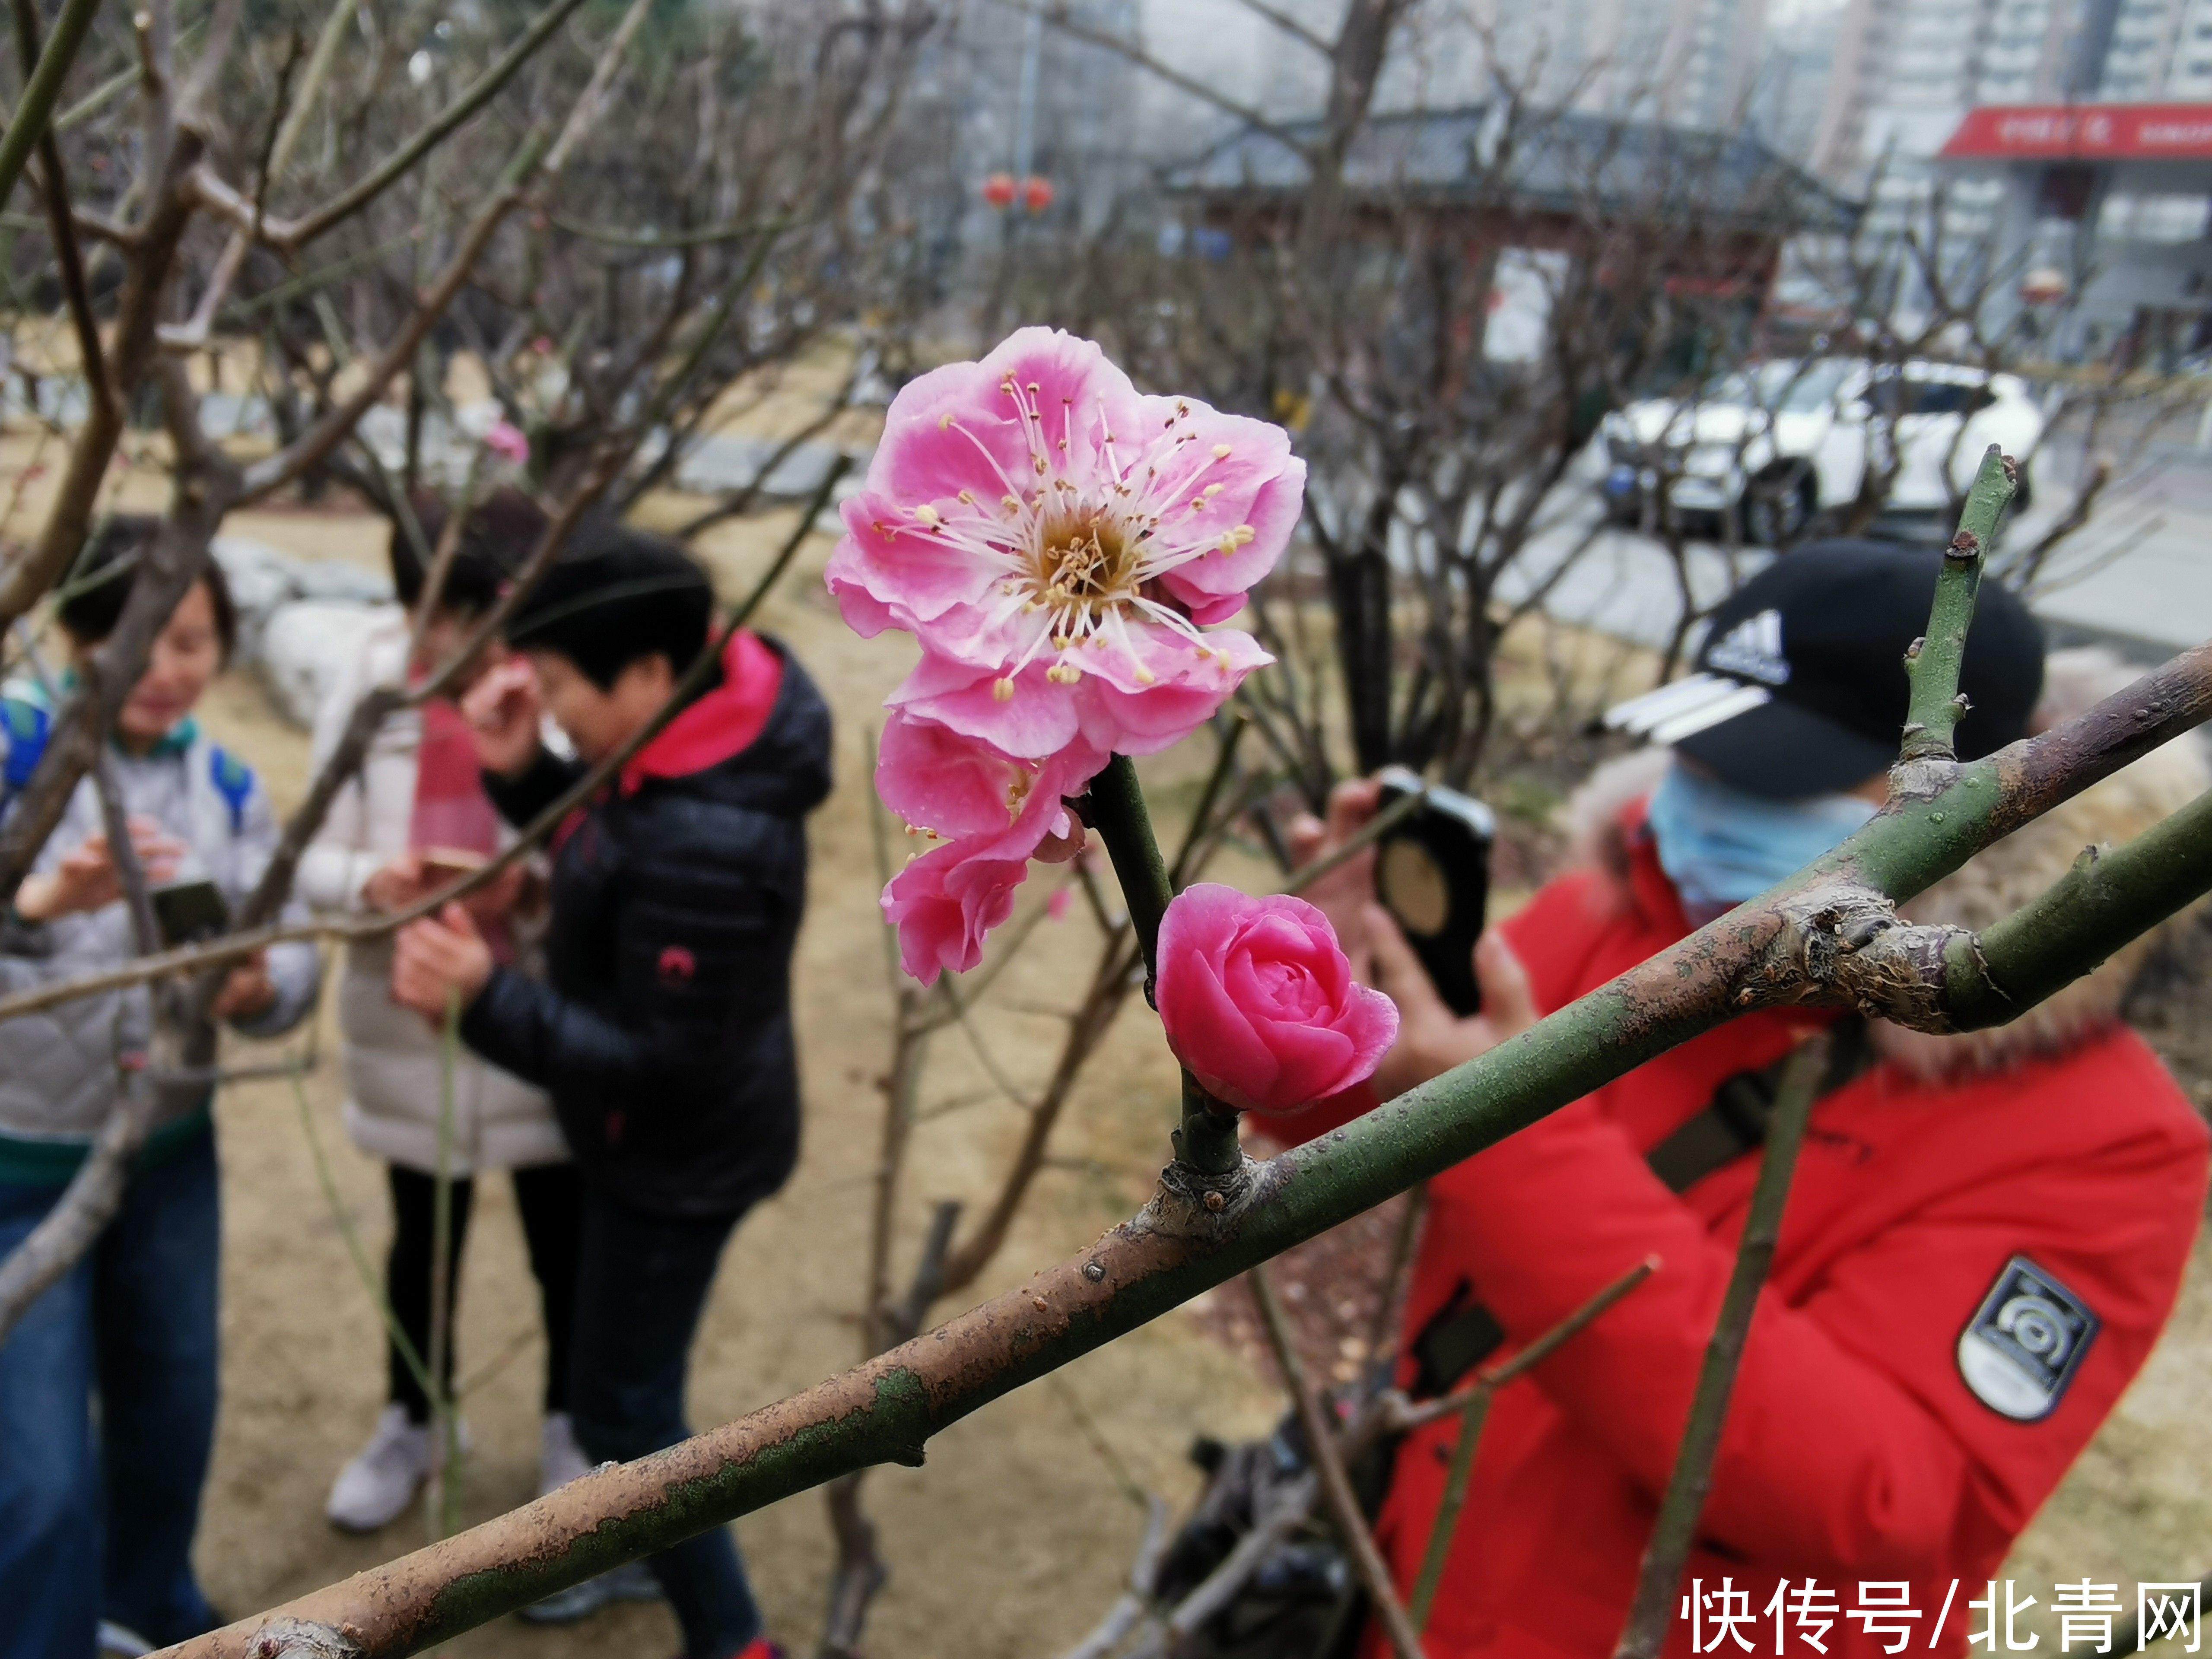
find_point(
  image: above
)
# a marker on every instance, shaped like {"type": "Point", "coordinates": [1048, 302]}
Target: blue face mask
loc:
{"type": "Point", "coordinates": [1721, 846]}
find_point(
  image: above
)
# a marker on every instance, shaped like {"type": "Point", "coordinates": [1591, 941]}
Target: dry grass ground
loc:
{"type": "Point", "coordinates": [1017, 1534]}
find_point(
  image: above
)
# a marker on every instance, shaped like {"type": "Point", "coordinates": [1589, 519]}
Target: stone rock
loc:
{"type": "Point", "coordinates": [306, 645]}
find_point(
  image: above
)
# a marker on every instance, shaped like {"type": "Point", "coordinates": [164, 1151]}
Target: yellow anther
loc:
{"type": "Point", "coordinates": [927, 513]}
{"type": "Point", "coordinates": [1221, 452]}
{"type": "Point", "coordinates": [1002, 689]}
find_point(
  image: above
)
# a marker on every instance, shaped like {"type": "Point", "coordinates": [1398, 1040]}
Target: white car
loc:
{"type": "Point", "coordinates": [1776, 444]}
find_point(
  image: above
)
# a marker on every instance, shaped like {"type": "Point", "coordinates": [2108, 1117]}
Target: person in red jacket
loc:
{"type": "Point", "coordinates": [1984, 1236]}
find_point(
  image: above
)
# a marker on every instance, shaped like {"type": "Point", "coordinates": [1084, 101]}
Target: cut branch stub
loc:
{"type": "Point", "coordinates": [1932, 665]}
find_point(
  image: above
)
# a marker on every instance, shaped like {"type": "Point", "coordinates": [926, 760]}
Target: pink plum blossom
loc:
{"type": "Point", "coordinates": [1061, 546]}
{"type": "Point", "coordinates": [1258, 1000]}
{"type": "Point", "coordinates": [508, 440]}
{"type": "Point", "coordinates": [993, 810]}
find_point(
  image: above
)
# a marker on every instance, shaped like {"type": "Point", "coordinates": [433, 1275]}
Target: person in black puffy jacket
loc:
{"type": "Point", "coordinates": [663, 1027]}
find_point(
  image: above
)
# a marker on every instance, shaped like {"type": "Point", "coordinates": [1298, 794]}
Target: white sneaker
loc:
{"type": "Point", "coordinates": [633, 1581]}
{"type": "Point", "coordinates": [122, 1641]}
{"type": "Point", "coordinates": [560, 1459]}
{"type": "Point", "coordinates": [375, 1488]}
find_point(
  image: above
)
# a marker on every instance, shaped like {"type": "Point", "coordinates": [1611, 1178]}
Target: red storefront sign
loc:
{"type": "Point", "coordinates": [2088, 132]}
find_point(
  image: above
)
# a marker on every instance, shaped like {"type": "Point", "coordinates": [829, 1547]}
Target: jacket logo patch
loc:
{"type": "Point", "coordinates": [676, 965]}
{"type": "Point", "coordinates": [2025, 1342]}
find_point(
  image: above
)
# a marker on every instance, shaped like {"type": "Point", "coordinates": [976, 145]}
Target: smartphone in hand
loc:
{"type": "Point", "coordinates": [1432, 875]}
{"type": "Point", "coordinates": [189, 911]}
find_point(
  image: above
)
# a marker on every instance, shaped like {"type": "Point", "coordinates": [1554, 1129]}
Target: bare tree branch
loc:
{"type": "Point", "coordinates": [1674, 1532]}
{"type": "Point", "coordinates": [1367, 1562]}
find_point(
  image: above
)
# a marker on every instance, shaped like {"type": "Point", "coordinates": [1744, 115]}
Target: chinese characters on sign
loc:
{"type": "Point", "coordinates": [1801, 1612]}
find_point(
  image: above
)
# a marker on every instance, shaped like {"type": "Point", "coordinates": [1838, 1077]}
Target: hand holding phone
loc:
{"type": "Point", "coordinates": [1432, 876]}
{"type": "Point", "coordinates": [188, 911]}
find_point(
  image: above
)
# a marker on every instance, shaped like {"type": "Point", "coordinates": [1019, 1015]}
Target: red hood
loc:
{"type": "Point", "coordinates": [722, 723]}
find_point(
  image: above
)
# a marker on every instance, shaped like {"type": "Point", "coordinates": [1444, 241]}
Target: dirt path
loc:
{"type": "Point", "coordinates": [1015, 1535]}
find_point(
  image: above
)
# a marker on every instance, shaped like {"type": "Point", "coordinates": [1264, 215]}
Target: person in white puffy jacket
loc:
{"type": "Point", "coordinates": [394, 833]}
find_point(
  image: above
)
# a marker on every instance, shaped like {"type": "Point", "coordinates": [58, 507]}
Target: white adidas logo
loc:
{"type": "Point", "coordinates": [1752, 648]}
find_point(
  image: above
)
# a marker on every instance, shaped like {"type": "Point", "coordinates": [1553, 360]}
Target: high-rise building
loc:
{"type": "Point", "coordinates": [1906, 71]}
{"type": "Point", "coordinates": [1691, 63]}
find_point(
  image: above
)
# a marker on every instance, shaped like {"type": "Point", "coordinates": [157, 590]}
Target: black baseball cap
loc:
{"type": "Point", "coordinates": [1799, 686]}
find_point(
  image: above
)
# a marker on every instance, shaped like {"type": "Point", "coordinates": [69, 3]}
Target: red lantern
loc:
{"type": "Point", "coordinates": [999, 189]}
{"type": "Point", "coordinates": [1037, 193]}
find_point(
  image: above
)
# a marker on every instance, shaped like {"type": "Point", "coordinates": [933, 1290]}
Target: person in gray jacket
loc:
{"type": "Point", "coordinates": [98, 1509]}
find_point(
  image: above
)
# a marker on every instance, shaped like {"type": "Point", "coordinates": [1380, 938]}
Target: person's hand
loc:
{"type": "Point", "coordinates": [1432, 1039]}
{"type": "Point", "coordinates": [247, 991]}
{"type": "Point", "coordinates": [503, 709]}
{"type": "Point", "coordinates": [499, 896]}
{"type": "Point", "coordinates": [1346, 893]}
{"type": "Point", "coordinates": [87, 878]}
{"type": "Point", "coordinates": [439, 957]}
{"type": "Point", "coordinates": [397, 886]}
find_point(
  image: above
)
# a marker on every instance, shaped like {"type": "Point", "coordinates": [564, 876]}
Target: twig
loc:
{"type": "Point", "coordinates": [1932, 664]}
{"type": "Point", "coordinates": [1290, 1505]}
{"type": "Point", "coordinates": [1395, 1270]}
{"type": "Point", "coordinates": [68, 257]}
{"type": "Point", "coordinates": [1365, 837]}
{"type": "Point", "coordinates": [586, 109]}
{"type": "Point", "coordinates": [395, 167]}
{"type": "Point", "coordinates": [1405, 1419]}
{"type": "Point", "coordinates": [85, 1208]}
{"type": "Point", "coordinates": [1675, 1530]}
{"type": "Point", "coordinates": [42, 89]}
{"type": "Point", "coordinates": [26, 577]}
{"type": "Point", "coordinates": [327, 434]}
{"type": "Point", "coordinates": [441, 1492]}
{"type": "Point", "coordinates": [235, 946]}
{"type": "Point", "coordinates": [1335, 1483]}
{"type": "Point", "coordinates": [1144, 1573]}
{"type": "Point", "coordinates": [1472, 1406]}
{"type": "Point", "coordinates": [342, 1217]}
{"type": "Point", "coordinates": [1224, 763]}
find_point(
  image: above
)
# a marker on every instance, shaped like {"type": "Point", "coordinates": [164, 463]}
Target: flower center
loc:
{"type": "Point", "coordinates": [1085, 563]}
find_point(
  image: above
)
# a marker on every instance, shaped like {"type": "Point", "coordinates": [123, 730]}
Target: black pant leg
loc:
{"type": "Point", "coordinates": [407, 1278]}
{"type": "Point", "coordinates": [550, 1198]}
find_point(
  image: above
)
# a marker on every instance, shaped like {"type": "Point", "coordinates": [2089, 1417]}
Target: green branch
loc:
{"type": "Point", "coordinates": [43, 89]}
{"type": "Point", "coordinates": [1116, 810]}
{"type": "Point", "coordinates": [1933, 663]}
{"type": "Point", "coordinates": [2108, 898]}
{"type": "Point", "coordinates": [1675, 1530]}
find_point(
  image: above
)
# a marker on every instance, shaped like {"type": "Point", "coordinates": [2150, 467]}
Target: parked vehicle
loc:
{"type": "Point", "coordinates": [1778, 443]}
